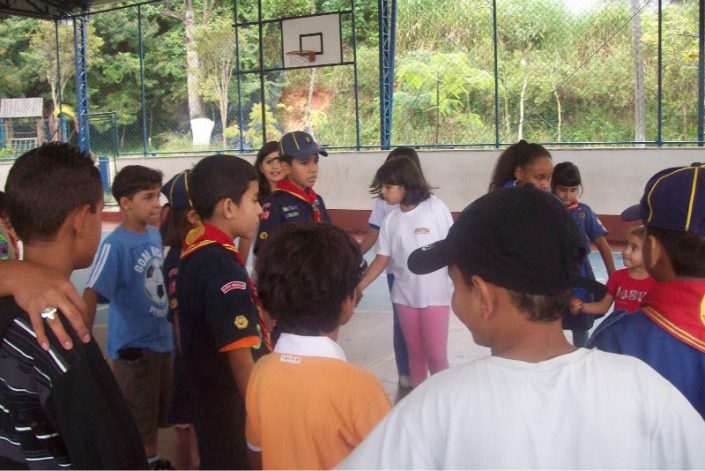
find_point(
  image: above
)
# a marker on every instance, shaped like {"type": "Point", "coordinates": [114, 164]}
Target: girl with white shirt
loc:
{"type": "Point", "coordinates": [421, 301]}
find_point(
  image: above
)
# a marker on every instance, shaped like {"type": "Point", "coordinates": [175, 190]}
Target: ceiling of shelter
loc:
{"type": "Point", "coordinates": [48, 9]}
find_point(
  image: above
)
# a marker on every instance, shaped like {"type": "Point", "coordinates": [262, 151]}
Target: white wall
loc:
{"type": "Point", "coordinates": [612, 178]}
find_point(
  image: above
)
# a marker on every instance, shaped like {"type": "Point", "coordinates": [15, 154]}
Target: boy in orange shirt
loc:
{"type": "Point", "coordinates": [306, 407]}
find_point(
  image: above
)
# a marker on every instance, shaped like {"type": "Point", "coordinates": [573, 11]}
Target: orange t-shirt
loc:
{"type": "Point", "coordinates": [310, 412]}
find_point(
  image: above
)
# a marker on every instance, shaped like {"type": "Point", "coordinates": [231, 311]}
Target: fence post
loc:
{"type": "Point", "coordinates": [701, 71]}
{"type": "Point", "coordinates": [496, 73]}
{"type": "Point", "coordinates": [79, 44]}
{"type": "Point", "coordinates": [142, 93]}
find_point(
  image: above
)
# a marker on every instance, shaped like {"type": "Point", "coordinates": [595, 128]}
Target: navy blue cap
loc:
{"type": "Point", "coordinates": [299, 145]}
{"type": "Point", "coordinates": [176, 190]}
{"type": "Point", "coordinates": [674, 199]}
{"type": "Point", "coordinates": [533, 247]}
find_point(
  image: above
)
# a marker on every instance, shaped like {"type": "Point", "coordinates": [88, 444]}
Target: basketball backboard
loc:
{"type": "Point", "coordinates": [311, 41]}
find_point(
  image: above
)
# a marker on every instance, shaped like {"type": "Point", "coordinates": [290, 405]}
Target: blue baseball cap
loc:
{"type": "Point", "coordinates": [674, 199]}
{"type": "Point", "coordinates": [176, 190]}
{"type": "Point", "coordinates": [299, 145]}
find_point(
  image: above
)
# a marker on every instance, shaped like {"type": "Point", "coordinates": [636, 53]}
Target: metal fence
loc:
{"type": "Point", "coordinates": [467, 73]}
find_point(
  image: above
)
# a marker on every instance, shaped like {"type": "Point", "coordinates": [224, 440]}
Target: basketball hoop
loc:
{"type": "Point", "coordinates": [299, 57]}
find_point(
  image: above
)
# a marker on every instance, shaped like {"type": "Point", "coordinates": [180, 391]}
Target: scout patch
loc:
{"type": "Point", "coordinates": [241, 322]}
{"type": "Point", "coordinates": [227, 287]}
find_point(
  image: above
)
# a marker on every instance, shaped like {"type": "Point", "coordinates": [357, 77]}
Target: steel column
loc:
{"type": "Point", "coordinates": [387, 46]}
{"type": "Point", "coordinates": [79, 44]}
{"type": "Point", "coordinates": [142, 92]}
{"type": "Point", "coordinates": [701, 72]}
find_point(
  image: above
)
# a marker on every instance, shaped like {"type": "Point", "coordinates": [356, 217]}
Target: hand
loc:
{"type": "Point", "coordinates": [576, 306]}
{"type": "Point", "coordinates": [358, 296]}
{"type": "Point", "coordinates": [34, 288]}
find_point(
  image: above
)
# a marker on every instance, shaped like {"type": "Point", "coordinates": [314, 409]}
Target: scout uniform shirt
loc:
{"type": "Point", "coordinates": [288, 203]}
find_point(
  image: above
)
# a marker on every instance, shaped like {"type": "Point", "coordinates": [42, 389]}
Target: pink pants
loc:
{"type": "Point", "coordinates": [426, 334]}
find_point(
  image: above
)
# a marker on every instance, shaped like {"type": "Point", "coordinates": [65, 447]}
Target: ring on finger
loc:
{"type": "Point", "coordinates": [49, 312]}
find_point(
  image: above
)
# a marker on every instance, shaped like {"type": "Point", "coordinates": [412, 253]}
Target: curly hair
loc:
{"type": "Point", "coordinates": [517, 155]}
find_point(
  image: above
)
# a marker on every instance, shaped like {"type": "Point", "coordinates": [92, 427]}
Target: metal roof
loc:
{"type": "Point", "coordinates": [20, 107]}
{"type": "Point", "coordinates": [50, 9]}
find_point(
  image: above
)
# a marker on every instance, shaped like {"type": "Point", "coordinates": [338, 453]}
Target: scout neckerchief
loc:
{"type": "Point", "coordinates": [678, 307]}
{"type": "Point", "coordinates": [573, 205]}
{"type": "Point", "coordinates": [203, 235]}
{"type": "Point", "coordinates": [309, 196]}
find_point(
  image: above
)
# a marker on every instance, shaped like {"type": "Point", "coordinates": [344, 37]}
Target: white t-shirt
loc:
{"type": "Point", "coordinates": [403, 232]}
{"type": "Point", "coordinates": [379, 212]}
{"type": "Point", "coordinates": [587, 409]}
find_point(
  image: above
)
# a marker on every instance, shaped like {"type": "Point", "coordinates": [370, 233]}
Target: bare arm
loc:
{"type": "Point", "coordinates": [35, 288]}
{"type": "Point", "coordinates": [241, 365]}
{"type": "Point", "coordinates": [243, 246]}
{"type": "Point", "coordinates": [368, 240]}
{"type": "Point", "coordinates": [600, 307]}
{"type": "Point", "coordinates": [606, 253]}
{"type": "Point", "coordinates": [91, 299]}
{"type": "Point", "coordinates": [375, 269]}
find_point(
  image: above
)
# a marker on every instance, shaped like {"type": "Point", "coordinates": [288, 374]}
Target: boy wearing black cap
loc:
{"type": "Point", "coordinates": [668, 332]}
{"type": "Point", "coordinates": [294, 199]}
{"type": "Point", "coordinates": [537, 401]}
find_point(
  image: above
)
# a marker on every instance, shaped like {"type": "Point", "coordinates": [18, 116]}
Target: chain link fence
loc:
{"type": "Point", "coordinates": [575, 72]}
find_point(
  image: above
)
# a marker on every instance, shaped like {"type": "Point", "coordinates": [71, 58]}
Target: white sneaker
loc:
{"type": "Point", "coordinates": [405, 382]}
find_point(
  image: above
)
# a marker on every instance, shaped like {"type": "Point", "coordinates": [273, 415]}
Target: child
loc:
{"type": "Point", "coordinates": [566, 186]}
{"type": "Point", "coordinates": [626, 287]}
{"type": "Point", "coordinates": [379, 212]}
{"type": "Point", "coordinates": [294, 199]}
{"type": "Point", "coordinates": [127, 273]}
{"type": "Point", "coordinates": [668, 331]}
{"type": "Point", "coordinates": [269, 173]}
{"type": "Point", "coordinates": [523, 163]}
{"type": "Point", "coordinates": [537, 402]}
{"type": "Point", "coordinates": [218, 314]}
{"type": "Point", "coordinates": [180, 219]}
{"type": "Point", "coordinates": [422, 302]}
{"type": "Point", "coordinates": [60, 408]}
{"type": "Point", "coordinates": [306, 407]}
{"type": "Point", "coordinates": [8, 239]}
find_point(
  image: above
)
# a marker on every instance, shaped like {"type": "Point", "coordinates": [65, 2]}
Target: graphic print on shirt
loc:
{"type": "Point", "coordinates": [149, 265]}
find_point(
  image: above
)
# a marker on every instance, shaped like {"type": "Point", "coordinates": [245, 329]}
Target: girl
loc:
{"type": "Point", "coordinates": [269, 172]}
{"type": "Point", "coordinates": [180, 219]}
{"type": "Point", "coordinates": [566, 185]}
{"type": "Point", "coordinates": [379, 212]}
{"type": "Point", "coordinates": [523, 163]}
{"type": "Point", "coordinates": [626, 287]}
{"type": "Point", "coordinates": [422, 301]}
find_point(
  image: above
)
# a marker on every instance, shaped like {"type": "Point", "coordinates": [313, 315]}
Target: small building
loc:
{"type": "Point", "coordinates": [22, 124]}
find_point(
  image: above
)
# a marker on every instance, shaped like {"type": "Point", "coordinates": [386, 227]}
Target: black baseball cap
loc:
{"type": "Point", "coordinates": [176, 190]}
{"type": "Point", "coordinates": [299, 145]}
{"type": "Point", "coordinates": [674, 199]}
{"type": "Point", "coordinates": [519, 238]}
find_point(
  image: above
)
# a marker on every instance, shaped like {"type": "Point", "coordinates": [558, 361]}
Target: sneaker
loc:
{"type": "Point", "coordinates": [161, 464]}
{"type": "Point", "coordinates": [405, 382]}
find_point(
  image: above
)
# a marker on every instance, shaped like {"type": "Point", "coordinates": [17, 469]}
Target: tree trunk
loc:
{"type": "Point", "coordinates": [559, 138]}
{"type": "Point", "coordinates": [522, 95]}
{"type": "Point", "coordinates": [193, 64]}
{"type": "Point", "coordinates": [639, 92]}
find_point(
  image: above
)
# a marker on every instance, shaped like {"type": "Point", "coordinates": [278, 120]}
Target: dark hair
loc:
{"type": "Point", "coordinates": [217, 177]}
{"type": "Point", "coordinates": [517, 155]}
{"type": "Point", "coordinates": [565, 174]}
{"type": "Point", "coordinates": [396, 153]}
{"type": "Point", "coordinates": [264, 188]}
{"type": "Point", "coordinates": [685, 250]}
{"type": "Point", "coordinates": [47, 183]}
{"type": "Point", "coordinates": [403, 172]}
{"type": "Point", "coordinates": [175, 226]}
{"type": "Point", "coordinates": [133, 179]}
{"type": "Point", "coordinates": [541, 308]}
{"type": "Point", "coordinates": [305, 274]}
{"type": "Point", "coordinates": [3, 205]}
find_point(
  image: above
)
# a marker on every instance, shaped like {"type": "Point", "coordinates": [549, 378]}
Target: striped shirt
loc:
{"type": "Point", "coordinates": [59, 408]}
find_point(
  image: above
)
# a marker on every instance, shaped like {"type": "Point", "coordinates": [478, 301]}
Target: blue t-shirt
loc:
{"type": "Point", "coordinates": [127, 273]}
{"type": "Point", "coordinates": [591, 229]}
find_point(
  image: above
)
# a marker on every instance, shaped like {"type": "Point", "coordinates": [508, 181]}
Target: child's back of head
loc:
{"type": "Point", "coordinates": [305, 274]}
{"type": "Point", "coordinates": [45, 185]}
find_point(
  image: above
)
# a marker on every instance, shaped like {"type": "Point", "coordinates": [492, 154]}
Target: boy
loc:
{"type": "Point", "coordinates": [668, 332]}
{"type": "Point", "coordinates": [306, 407]}
{"type": "Point", "coordinates": [218, 315]}
{"type": "Point", "coordinates": [294, 199]}
{"type": "Point", "coordinates": [60, 408]}
{"type": "Point", "coordinates": [537, 401]}
{"type": "Point", "coordinates": [128, 274]}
